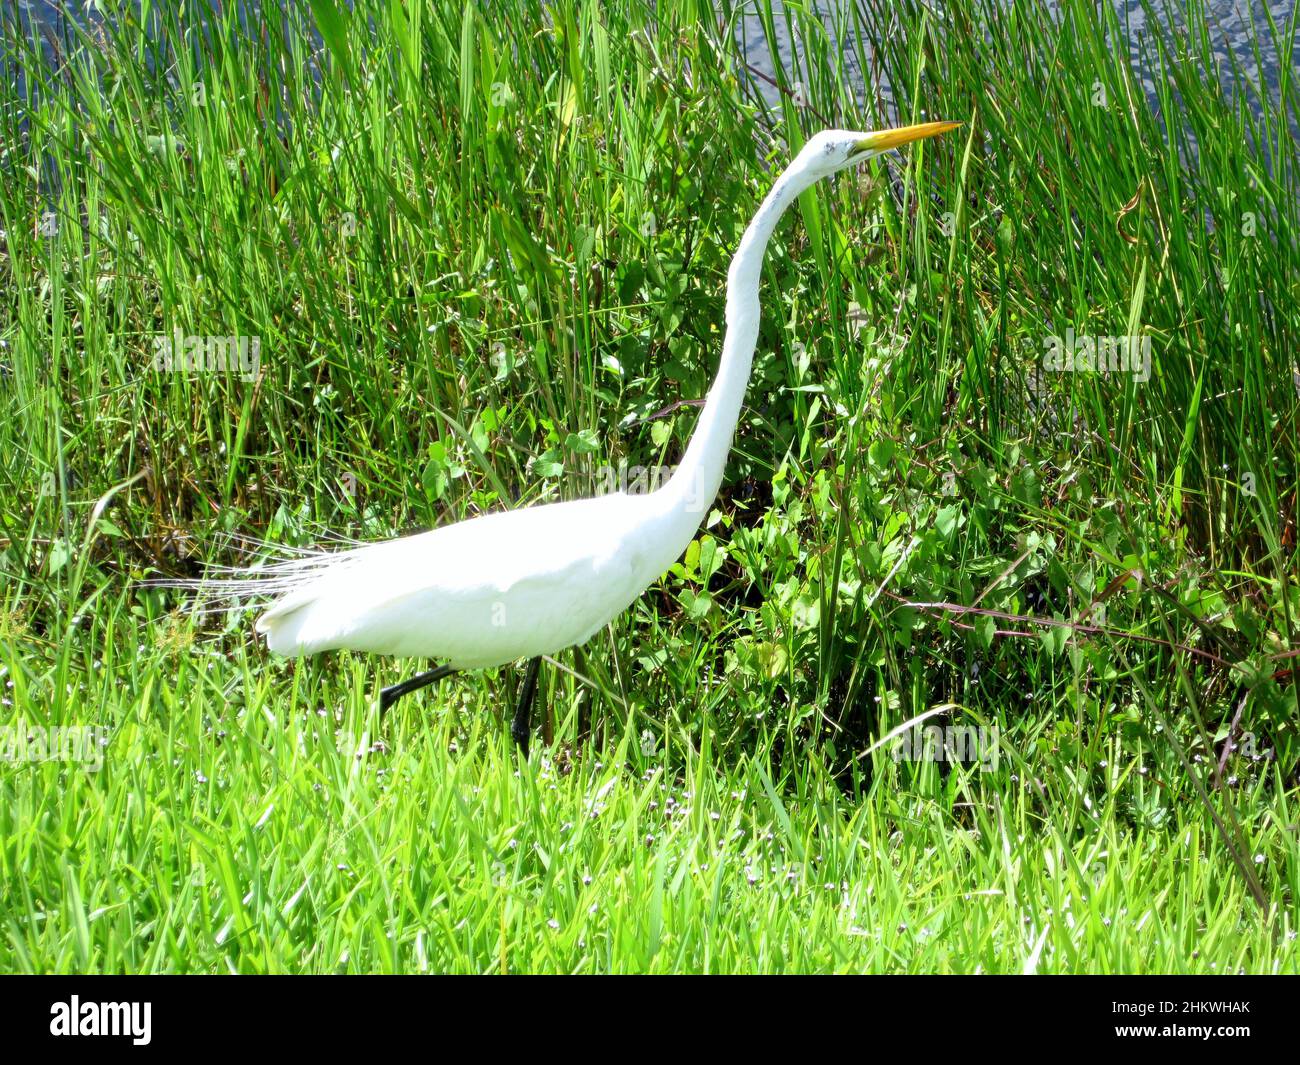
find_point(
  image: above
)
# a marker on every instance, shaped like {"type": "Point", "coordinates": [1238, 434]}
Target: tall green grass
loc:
{"type": "Point", "coordinates": [483, 249]}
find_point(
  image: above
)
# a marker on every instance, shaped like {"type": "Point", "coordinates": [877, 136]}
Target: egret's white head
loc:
{"type": "Point", "coordinates": [832, 150]}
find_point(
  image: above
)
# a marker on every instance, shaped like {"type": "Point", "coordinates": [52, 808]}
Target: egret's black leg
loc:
{"type": "Point", "coordinates": [519, 727]}
{"type": "Point", "coordinates": [394, 692]}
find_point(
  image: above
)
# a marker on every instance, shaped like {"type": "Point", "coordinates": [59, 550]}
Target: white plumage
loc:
{"type": "Point", "coordinates": [482, 592]}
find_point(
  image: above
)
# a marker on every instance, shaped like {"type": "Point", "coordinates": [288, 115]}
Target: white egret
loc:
{"type": "Point", "coordinates": [526, 583]}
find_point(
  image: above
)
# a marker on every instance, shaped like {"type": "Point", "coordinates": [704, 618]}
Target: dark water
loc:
{"type": "Point", "coordinates": [1230, 22]}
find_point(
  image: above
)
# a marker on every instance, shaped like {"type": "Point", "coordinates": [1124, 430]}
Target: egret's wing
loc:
{"type": "Point", "coordinates": [483, 591]}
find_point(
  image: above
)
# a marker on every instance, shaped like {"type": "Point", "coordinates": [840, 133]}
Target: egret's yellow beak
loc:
{"type": "Point", "coordinates": [892, 138]}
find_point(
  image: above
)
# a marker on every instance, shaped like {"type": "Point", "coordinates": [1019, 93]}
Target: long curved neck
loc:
{"type": "Point", "coordinates": [699, 475]}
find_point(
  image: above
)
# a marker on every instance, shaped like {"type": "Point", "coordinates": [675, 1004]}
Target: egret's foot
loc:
{"type": "Point", "coordinates": [521, 737]}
